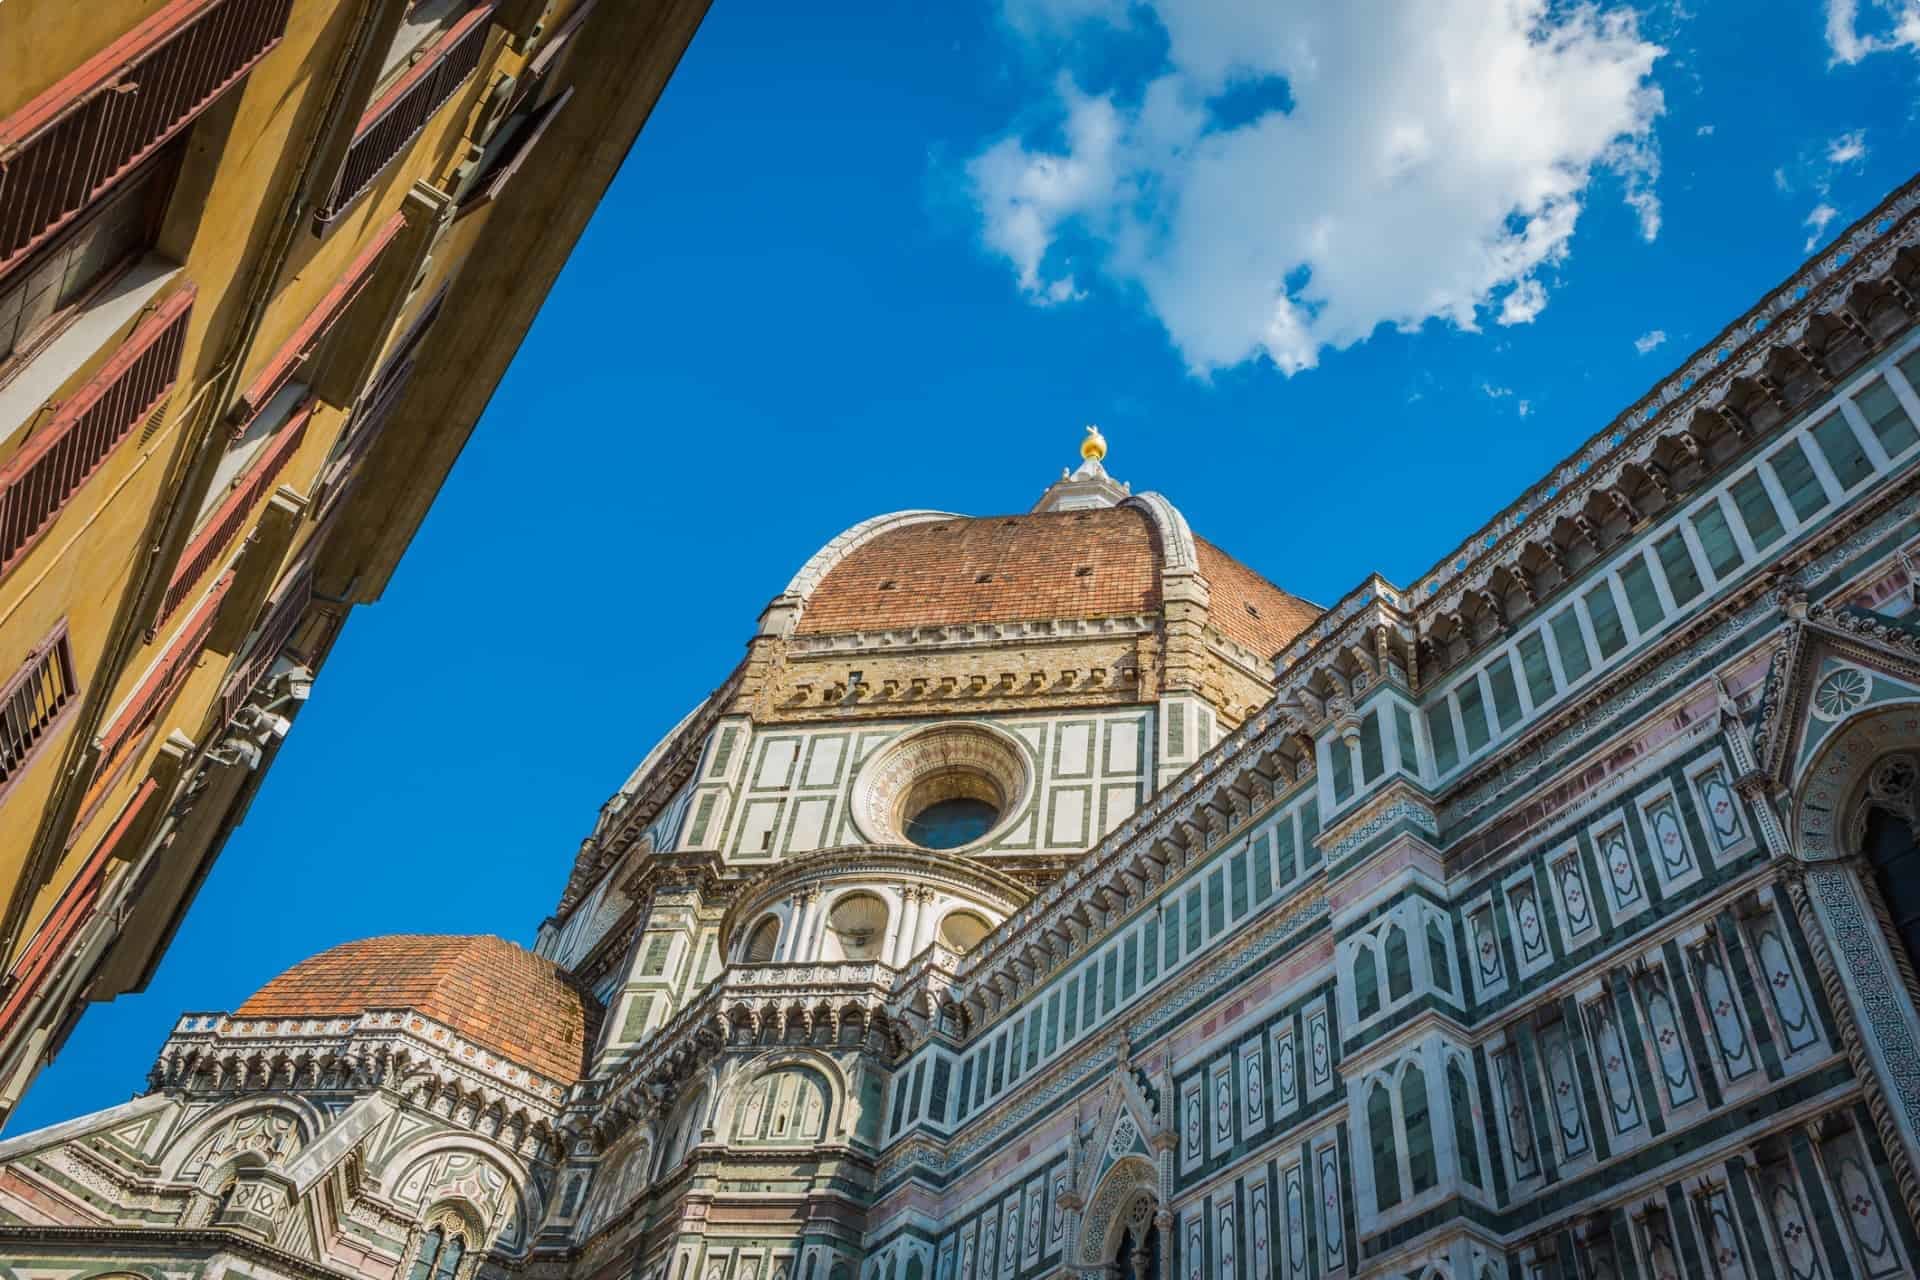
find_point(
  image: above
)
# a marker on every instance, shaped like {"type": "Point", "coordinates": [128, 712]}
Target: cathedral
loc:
{"type": "Point", "coordinates": [1052, 894]}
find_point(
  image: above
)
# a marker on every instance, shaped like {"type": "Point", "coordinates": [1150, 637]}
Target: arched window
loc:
{"type": "Point", "coordinates": [439, 1256]}
{"type": "Point", "coordinates": [1413, 1108]}
{"type": "Point", "coordinates": [1895, 856]}
{"type": "Point", "coordinates": [859, 923]}
{"type": "Point", "coordinates": [1437, 957]}
{"type": "Point", "coordinates": [1399, 965]}
{"type": "Point", "coordinates": [962, 930]}
{"type": "Point", "coordinates": [1464, 1139]}
{"type": "Point", "coordinates": [1366, 983]}
{"type": "Point", "coordinates": [1386, 1158]}
{"type": "Point", "coordinates": [762, 941]}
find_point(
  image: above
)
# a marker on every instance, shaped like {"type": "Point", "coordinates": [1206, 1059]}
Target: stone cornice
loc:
{"type": "Point", "coordinates": [868, 864]}
{"type": "Point", "coordinates": [743, 1007]}
{"type": "Point", "coordinates": [145, 1241]}
{"type": "Point", "coordinates": [968, 635]}
{"type": "Point", "coordinates": [375, 1048]}
{"type": "Point", "coordinates": [1517, 768]}
{"type": "Point", "coordinates": [1780, 322]}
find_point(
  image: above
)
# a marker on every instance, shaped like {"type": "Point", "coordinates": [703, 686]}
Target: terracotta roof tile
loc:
{"type": "Point", "coordinates": [1248, 609]}
{"type": "Point", "coordinates": [1100, 563]}
{"type": "Point", "coordinates": [495, 993]}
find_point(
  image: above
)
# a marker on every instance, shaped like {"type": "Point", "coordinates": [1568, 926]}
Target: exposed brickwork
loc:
{"type": "Point", "coordinates": [497, 994]}
{"type": "Point", "coordinates": [1246, 608]}
{"type": "Point", "coordinates": [1031, 563]}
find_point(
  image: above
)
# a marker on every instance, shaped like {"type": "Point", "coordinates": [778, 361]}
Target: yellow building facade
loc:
{"type": "Point", "coordinates": [262, 264]}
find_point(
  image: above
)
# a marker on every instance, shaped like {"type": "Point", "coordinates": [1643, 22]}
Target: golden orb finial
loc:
{"type": "Point", "coordinates": [1094, 447]}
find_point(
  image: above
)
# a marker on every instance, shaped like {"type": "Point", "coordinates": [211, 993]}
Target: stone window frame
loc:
{"type": "Point", "coordinates": [1597, 831]}
{"type": "Point", "coordinates": [1496, 1046]}
{"type": "Point", "coordinates": [1649, 969]}
{"type": "Point", "coordinates": [1390, 1077]}
{"type": "Point", "coordinates": [1748, 912]}
{"type": "Point", "coordinates": [1568, 850]}
{"type": "Point", "coordinates": [1692, 941]}
{"type": "Point", "coordinates": [1192, 1116]}
{"type": "Point", "coordinates": [1596, 998]}
{"type": "Point", "coordinates": [1550, 1019]}
{"type": "Point", "coordinates": [1485, 988]}
{"type": "Point", "coordinates": [1644, 802]}
{"type": "Point", "coordinates": [1317, 1011]}
{"type": "Point", "coordinates": [1254, 1117]}
{"type": "Point", "coordinates": [1525, 968]}
{"type": "Point", "coordinates": [1283, 1039]}
{"type": "Point", "coordinates": [1694, 771]}
{"type": "Point", "coordinates": [1221, 1145]}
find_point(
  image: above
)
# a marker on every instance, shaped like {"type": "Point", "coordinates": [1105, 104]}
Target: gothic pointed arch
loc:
{"type": "Point", "coordinates": [1128, 1195]}
{"type": "Point", "coordinates": [1852, 832]}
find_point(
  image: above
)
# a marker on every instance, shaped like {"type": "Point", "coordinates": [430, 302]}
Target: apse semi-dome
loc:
{"type": "Point", "coordinates": [497, 994]}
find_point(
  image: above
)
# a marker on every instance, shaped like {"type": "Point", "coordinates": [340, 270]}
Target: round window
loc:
{"type": "Point", "coordinates": [942, 787]}
{"type": "Point", "coordinates": [948, 824]}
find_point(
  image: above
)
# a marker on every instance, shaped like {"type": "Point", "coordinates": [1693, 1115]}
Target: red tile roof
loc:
{"type": "Point", "coordinates": [993, 569]}
{"type": "Point", "coordinates": [493, 992]}
{"type": "Point", "coordinates": [1246, 608]}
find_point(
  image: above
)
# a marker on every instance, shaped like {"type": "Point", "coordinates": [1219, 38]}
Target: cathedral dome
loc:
{"type": "Point", "coordinates": [497, 994]}
{"type": "Point", "coordinates": [1098, 563]}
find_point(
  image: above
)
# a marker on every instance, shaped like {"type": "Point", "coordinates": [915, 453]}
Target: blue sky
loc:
{"type": "Point", "coordinates": [895, 254]}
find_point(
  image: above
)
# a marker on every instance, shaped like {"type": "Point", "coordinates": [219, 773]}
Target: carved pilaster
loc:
{"type": "Point", "coordinates": [1878, 1105]}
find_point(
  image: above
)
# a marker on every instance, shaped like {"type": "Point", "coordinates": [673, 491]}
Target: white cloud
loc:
{"type": "Point", "coordinates": [1649, 340]}
{"type": "Point", "coordinates": [1816, 223]}
{"type": "Point", "coordinates": [1895, 23]}
{"type": "Point", "coordinates": [1523, 302]}
{"type": "Point", "coordinates": [1704, 131]}
{"type": "Point", "coordinates": [1847, 148]}
{"type": "Point", "coordinates": [1525, 407]}
{"type": "Point", "coordinates": [1432, 164]}
{"type": "Point", "coordinates": [1495, 393]}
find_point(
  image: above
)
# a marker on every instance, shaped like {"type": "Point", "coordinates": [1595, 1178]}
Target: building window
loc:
{"type": "Point", "coordinates": [1881, 408]}
{"type": "Point", "coordinates": [1399, 965]}
{"type": "Point", "coordinates": [1437, 958]}
{"type": "Point", "coordinates": [1608, 631]}
{"type": "Point", "coordinates": [1637, 579]}
{"type": "Point", "coordinates": [1419, 1121]}
{"type": "Point", "coordinates": [1796, 475]}
{"type": "Point", "coordinates": [33, 702]}
{"type": "Point", "coordinates": [950, 823]}
{"type": "Point", "coordinates": [1571, 645]}
{"type": "Point", "coordinates": [1716, 539]}
{"type": "Point", "coordinates": [1473, 714]}
{"type": "Point", "coordinates": [422, 22]}
{"type": "Point", "coordinates": [54, 286]}
{"type": "Point", "coordinates": [1842, 450]}
{"type": "Point", "coordinates": [1683, 580]}
{"type": "Point", "coordinates": [1891, 847]}
{"type": "Point", "coordinates": [1366, 983]}
{"type": "Point", "coordinates": [1465, 1141]}
{"type": "Point", "coordinates": [439, 1256]}
{"type": "Point", "coordinates": [1537, 669]}
{"type": "Point", "coordinates": [1386, 1158]}
{"type": "Point", "coordinates": [1757, 511]}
